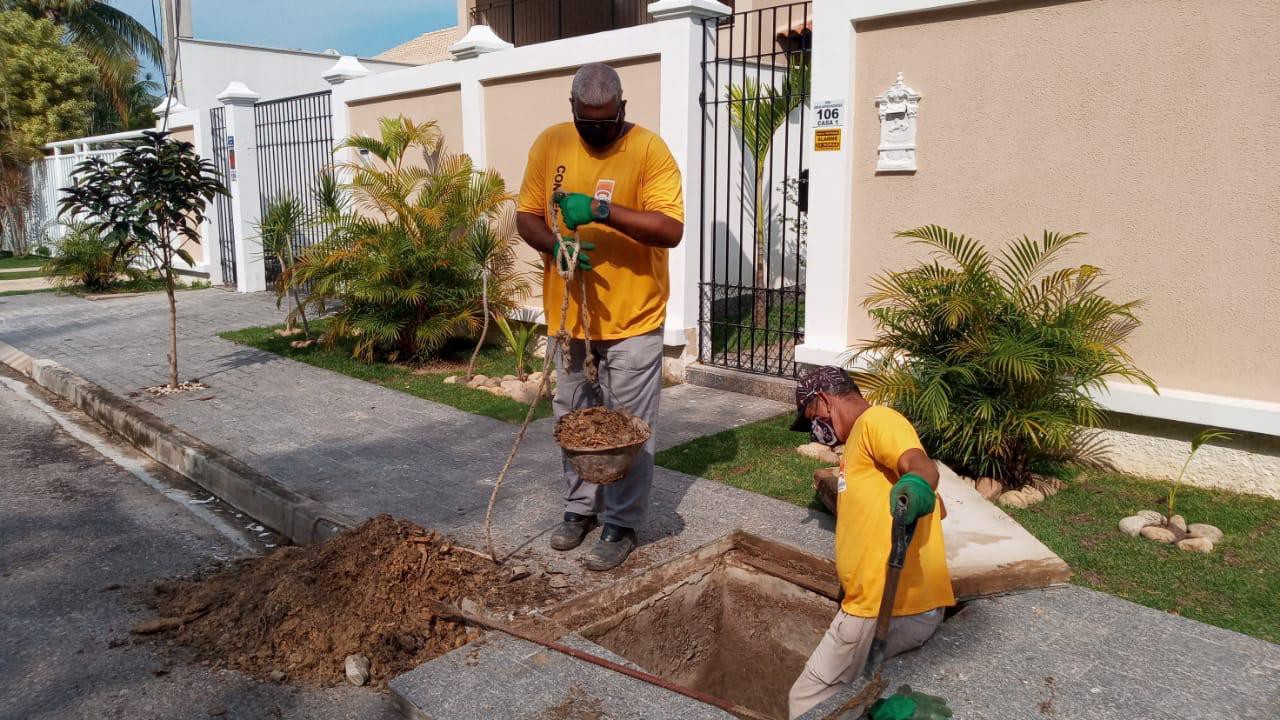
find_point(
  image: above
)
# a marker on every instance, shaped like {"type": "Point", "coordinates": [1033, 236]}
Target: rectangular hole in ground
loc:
{"type": "Point", "coordinates": [718, 623]}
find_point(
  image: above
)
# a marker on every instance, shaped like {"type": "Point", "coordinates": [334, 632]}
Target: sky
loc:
{"type": "Point", "coordinates": [353, 27]}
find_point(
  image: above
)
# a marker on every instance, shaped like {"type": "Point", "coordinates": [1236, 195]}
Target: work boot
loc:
{"type": "Point", "coordinates": [615, 544]}
{"type": "Point", "coordinates": [571, 531]}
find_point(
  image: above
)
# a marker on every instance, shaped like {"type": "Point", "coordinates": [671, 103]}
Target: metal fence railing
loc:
{"type": "Point", "coordinates": [295, 147]}
{"type": "Point", "coordinates": [222, 203]}
{"type": "Point", "coordinates": [755, 68]}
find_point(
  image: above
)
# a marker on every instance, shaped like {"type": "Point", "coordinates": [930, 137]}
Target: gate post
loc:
{"type": "Point", "coordinates": [681, 127]}
{"type": "Point", "coordinates": [242, 141]}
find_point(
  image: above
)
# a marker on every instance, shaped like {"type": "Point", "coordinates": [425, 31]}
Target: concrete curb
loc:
{"type": "Point", "coordinates": [300, 518]}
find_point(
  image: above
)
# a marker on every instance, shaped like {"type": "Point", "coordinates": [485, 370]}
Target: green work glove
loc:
{"type": "Point", "coordinates": [584, 262]}
{"type": "Point", "coordinates": [909, 705]}
{"type": "Point", "coordinates": [920, 497]}
{"type": "Point", "coordinates": [575, 209]}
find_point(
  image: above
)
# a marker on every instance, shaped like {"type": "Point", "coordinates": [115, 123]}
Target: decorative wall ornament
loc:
{"type": "Point", "coordinates": [898, 107]}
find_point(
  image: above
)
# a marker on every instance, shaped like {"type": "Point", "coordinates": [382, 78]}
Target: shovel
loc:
{"type": "Point", "coordinates": [872, 683]}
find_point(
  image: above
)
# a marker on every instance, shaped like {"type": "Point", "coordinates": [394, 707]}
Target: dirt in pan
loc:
{"type": "Point", "coordinates": [598, 427]}
{"type": "Point", "coordinates": [303, 610]}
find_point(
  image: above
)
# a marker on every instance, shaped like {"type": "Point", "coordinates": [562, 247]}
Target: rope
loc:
{"type": "Point", "coordinates": [566, 264]}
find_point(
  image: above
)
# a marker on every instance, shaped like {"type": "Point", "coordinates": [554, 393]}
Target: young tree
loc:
{"type": "Point", "coordinates": [45, 91]}
{"type": "Point", "coordinates": [149, 200]}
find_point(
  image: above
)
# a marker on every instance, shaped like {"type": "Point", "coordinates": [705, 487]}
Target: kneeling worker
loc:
{"type": "Point", "coordinates": [882, 461]}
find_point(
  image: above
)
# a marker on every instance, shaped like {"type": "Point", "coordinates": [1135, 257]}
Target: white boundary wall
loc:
{"type": "Point", "coordinates": [677, 41]}
{"type": "Point", "coordinates": [832, 214]}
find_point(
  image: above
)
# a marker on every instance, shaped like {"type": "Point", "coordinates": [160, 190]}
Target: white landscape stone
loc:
{"type": "Point", "coordinates": [1196, 544]}
{"type": "Point", "coordinates": [819, 452]}
{"type": "Point", "coordinates": [1203, 530]}
{"type": "Point", "coordinates": [357, 668]}
{"type": "Point", "coordinates": [1133, 525]}
{"type": "Point", "coordinates": [1159, 534]}
{"type": "Point", "coordinates": [451, 380]}
{"type": "Point", "coordinates": [1178, 523]}
{"type": "Point", "coordinates": [1013, 498]}
{"type": "Point", "coordinates": [1151, 515]}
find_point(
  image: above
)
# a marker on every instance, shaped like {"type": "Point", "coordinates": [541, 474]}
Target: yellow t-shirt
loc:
{"type": "Point", "coordinates": [868, 472]}
{"type": "Point", "coordinates": [627, 288]}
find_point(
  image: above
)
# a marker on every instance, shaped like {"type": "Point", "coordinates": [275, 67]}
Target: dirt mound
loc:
{"type": "Point", "coordinates": [302, 610]}
{"type": "Point", "coordinates": [598, 427]}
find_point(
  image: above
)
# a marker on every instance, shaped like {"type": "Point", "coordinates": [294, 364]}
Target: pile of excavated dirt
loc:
{"type": "Point", "coordinates": [302, 610]}
{"type": "Point", "coordinates": [598, 427]}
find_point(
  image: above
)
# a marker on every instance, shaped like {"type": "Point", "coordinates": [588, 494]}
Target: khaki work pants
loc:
{"type": "Point", "coordinates": [841, 655]}
{"type": "Point", "coordinates": [630, 379]}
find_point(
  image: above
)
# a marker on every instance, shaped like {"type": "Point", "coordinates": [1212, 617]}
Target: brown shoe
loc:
{"type": "Point", "coordinates": [572, 531]}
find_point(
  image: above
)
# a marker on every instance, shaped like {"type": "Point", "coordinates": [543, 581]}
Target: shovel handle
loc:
{"type": "Point", "coordinates": [901, 534]}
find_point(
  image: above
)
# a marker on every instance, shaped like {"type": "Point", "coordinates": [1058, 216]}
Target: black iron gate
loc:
{"type": "Point", "coordinates": [754, 187]}
{"type": "Point", "coordinates": [222, 203]}
{"type": "Point", "coordinates": [295, 147]}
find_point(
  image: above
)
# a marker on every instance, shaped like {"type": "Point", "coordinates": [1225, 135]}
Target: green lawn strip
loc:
{"type": "Point", "coordinates": [24, 275]}
{"type": "Point", "coordinates": [6, 293]}
{"type": "Point", "coordinates": [759, 457]}
{"type": "Point", "coordinates": [427, 384]}
{"type": "Point", "coordinates": [1235, 586]}
{"type": "Point", "coordinates": [31, 261]}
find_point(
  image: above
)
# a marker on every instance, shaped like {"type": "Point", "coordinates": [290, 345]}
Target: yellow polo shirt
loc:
{"type": "Point", "coordinates": [868, 471]}
{"type": "Point", "coordinates": [627, 288]}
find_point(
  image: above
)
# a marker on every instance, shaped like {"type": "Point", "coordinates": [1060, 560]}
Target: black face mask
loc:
{"type": "Point", "coordinates": [600, 134]}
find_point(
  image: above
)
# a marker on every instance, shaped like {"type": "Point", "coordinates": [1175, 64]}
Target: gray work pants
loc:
{"type": "Point", "coordinates": [630, 379]}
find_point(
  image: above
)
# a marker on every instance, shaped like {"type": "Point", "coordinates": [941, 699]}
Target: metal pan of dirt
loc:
{"type": "Point", "coordinates": [601, 443]}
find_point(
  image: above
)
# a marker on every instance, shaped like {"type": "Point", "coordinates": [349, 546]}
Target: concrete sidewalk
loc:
{"type": "Point", "coordinates": [363, 449]}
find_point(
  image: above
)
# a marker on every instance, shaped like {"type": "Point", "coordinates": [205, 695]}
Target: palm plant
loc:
{"type": "Point", "coordinates": [1204, 436]}
{"type": "Point", "coordinates": [485, 244]}
{"type": "Point", "coordinates": [399, 260]}
{"type": "Point", "coordinates": [519, 341]}
{"type": "Point", "coordinates": [994, 358]}
{"type": "Point", "coordinates": [113, 40]}
{"type": "Point", "coordinates": [282, 221]}
{"type": "Point", "coordinates": [88, 259]}
{"type": "Point", "coordinates": [756, 112]}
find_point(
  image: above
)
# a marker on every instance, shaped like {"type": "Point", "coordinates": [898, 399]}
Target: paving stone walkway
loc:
{"type": "Point", "coordinates": [364, 449]}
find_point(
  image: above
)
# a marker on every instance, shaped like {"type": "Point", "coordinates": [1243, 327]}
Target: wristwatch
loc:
{"type": "Point", "coordinates": [601, 212]}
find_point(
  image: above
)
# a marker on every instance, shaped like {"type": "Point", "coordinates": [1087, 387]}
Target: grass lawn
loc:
{"type": "Point", "coordinates": [759, 457]}
{"type": "Point", "coordinates": [6, 293]}
{"type": "Point", "coordinates": [426, 383]}
{"type": "Point", "coordinates": [31, 261]}
{"type": "Point", "coordinates": [20, 275]}
{"type": "Point", "coordinates": [1234, 587]}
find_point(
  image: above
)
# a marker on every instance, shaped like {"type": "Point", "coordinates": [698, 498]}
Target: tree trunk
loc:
{"type": "Point", "coordinates": [302, 313]}
{"type": "Point", "coordinates": [484, 330]}
{"type": "Point", "coordinates": [759, 293]}
{"type": "Point", "coordinates": [173, 329]}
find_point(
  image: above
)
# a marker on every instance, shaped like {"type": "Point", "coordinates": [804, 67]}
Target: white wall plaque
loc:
{"type": "Point", "coordinates": [897, 107]}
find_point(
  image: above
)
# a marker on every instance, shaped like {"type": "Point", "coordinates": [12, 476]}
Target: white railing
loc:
{"type": "Point", "coordinates": [50, 175]}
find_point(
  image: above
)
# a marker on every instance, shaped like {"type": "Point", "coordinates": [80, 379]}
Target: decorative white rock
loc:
{"type": "Point", "coordinates": [988, 488]}
{"type": "Point", "coordinates": [898, 108]}
{"type": "Point", "coordinates": [357, 668]}
{"type": "Point", "coordinates": [1133, 525]}
{"type": "Point", "coordinates": [1202, 530]}
{"type": "Point", "coordinates": [1196, 544]}
{"type": "Point", "coordinates": [819, 452]}
{"type": "Point", "coordinates": [1159, 534]}
{"type": "Point", "coordinates": [1152, 515]}
{"type": "Point", "coordinates": [451, 380]}
{"type": "Point", "coordinates": [1013, 498]}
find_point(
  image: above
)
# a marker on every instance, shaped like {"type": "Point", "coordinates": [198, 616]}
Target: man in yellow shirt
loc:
{"type": "Point", "coordinates": [883, 460]}
{"type": "Point", "coordinates": [622, 194]}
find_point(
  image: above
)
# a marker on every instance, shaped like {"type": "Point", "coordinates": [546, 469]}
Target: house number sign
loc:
{"type": "Point", "coordinates": [828, 114]}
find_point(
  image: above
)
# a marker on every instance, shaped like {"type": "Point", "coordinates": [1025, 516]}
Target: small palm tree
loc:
{"type": "Point", "coordinates": [282, 222]}
{"type": "Point", "coordinates": [519, 341]}
{"type": "Point", "coordinates": [399, 259]}
{"type": "Point", "coordinates": [114, 41]}
{"type": "Point", "coordinates": [487, 246]}
{"type": "Point", "coordinates": [995, 358]}
{"type": "Point", "coordinates": [757, 111]}
{"type": "Point", "coordinates": [1204, 436]}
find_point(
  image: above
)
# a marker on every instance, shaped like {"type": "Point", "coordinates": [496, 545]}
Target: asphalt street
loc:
{"type": "Point", "coordinates": [86, 525]}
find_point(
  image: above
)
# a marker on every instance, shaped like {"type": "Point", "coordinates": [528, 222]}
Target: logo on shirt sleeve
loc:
{"type": "Point", "coordinates": [604, 190]}
{"type": "Point", "coordinates": [840, 484]}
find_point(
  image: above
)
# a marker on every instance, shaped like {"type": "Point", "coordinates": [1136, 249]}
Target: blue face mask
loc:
{"type": "Point", "coordinates": [824, 433]}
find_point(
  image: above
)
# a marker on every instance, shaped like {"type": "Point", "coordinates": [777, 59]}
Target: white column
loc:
{"type": "Point", "coordinates": [826, 317]}
{"type": "Point", "coordinates": [242, 139]}
{"type": "Point", "coordinates": [681, 124]}
{"type": "Point", "coordinates": [473, 128]}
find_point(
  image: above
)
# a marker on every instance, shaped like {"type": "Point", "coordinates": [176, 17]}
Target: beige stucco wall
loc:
{"type": "Point", "coordinates": [1150, 125]}
{"type": "Point", "coordinates": [443, 105]}
{"type": "Point", "coordinates": [517, 109]}
{"type": "Point", "coordinates": [196, 250]}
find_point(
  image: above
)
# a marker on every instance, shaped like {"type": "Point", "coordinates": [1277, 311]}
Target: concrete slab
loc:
{"type": "Point", "coordinates": [35, 283]}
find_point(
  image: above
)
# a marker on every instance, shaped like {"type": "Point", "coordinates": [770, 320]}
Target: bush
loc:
{"type": "Point", "coordinates": [88, 259]}
{"type": "Point", "coordinates": [399, 261]}
{"type": "Point", "coordinates": [993, 357]}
